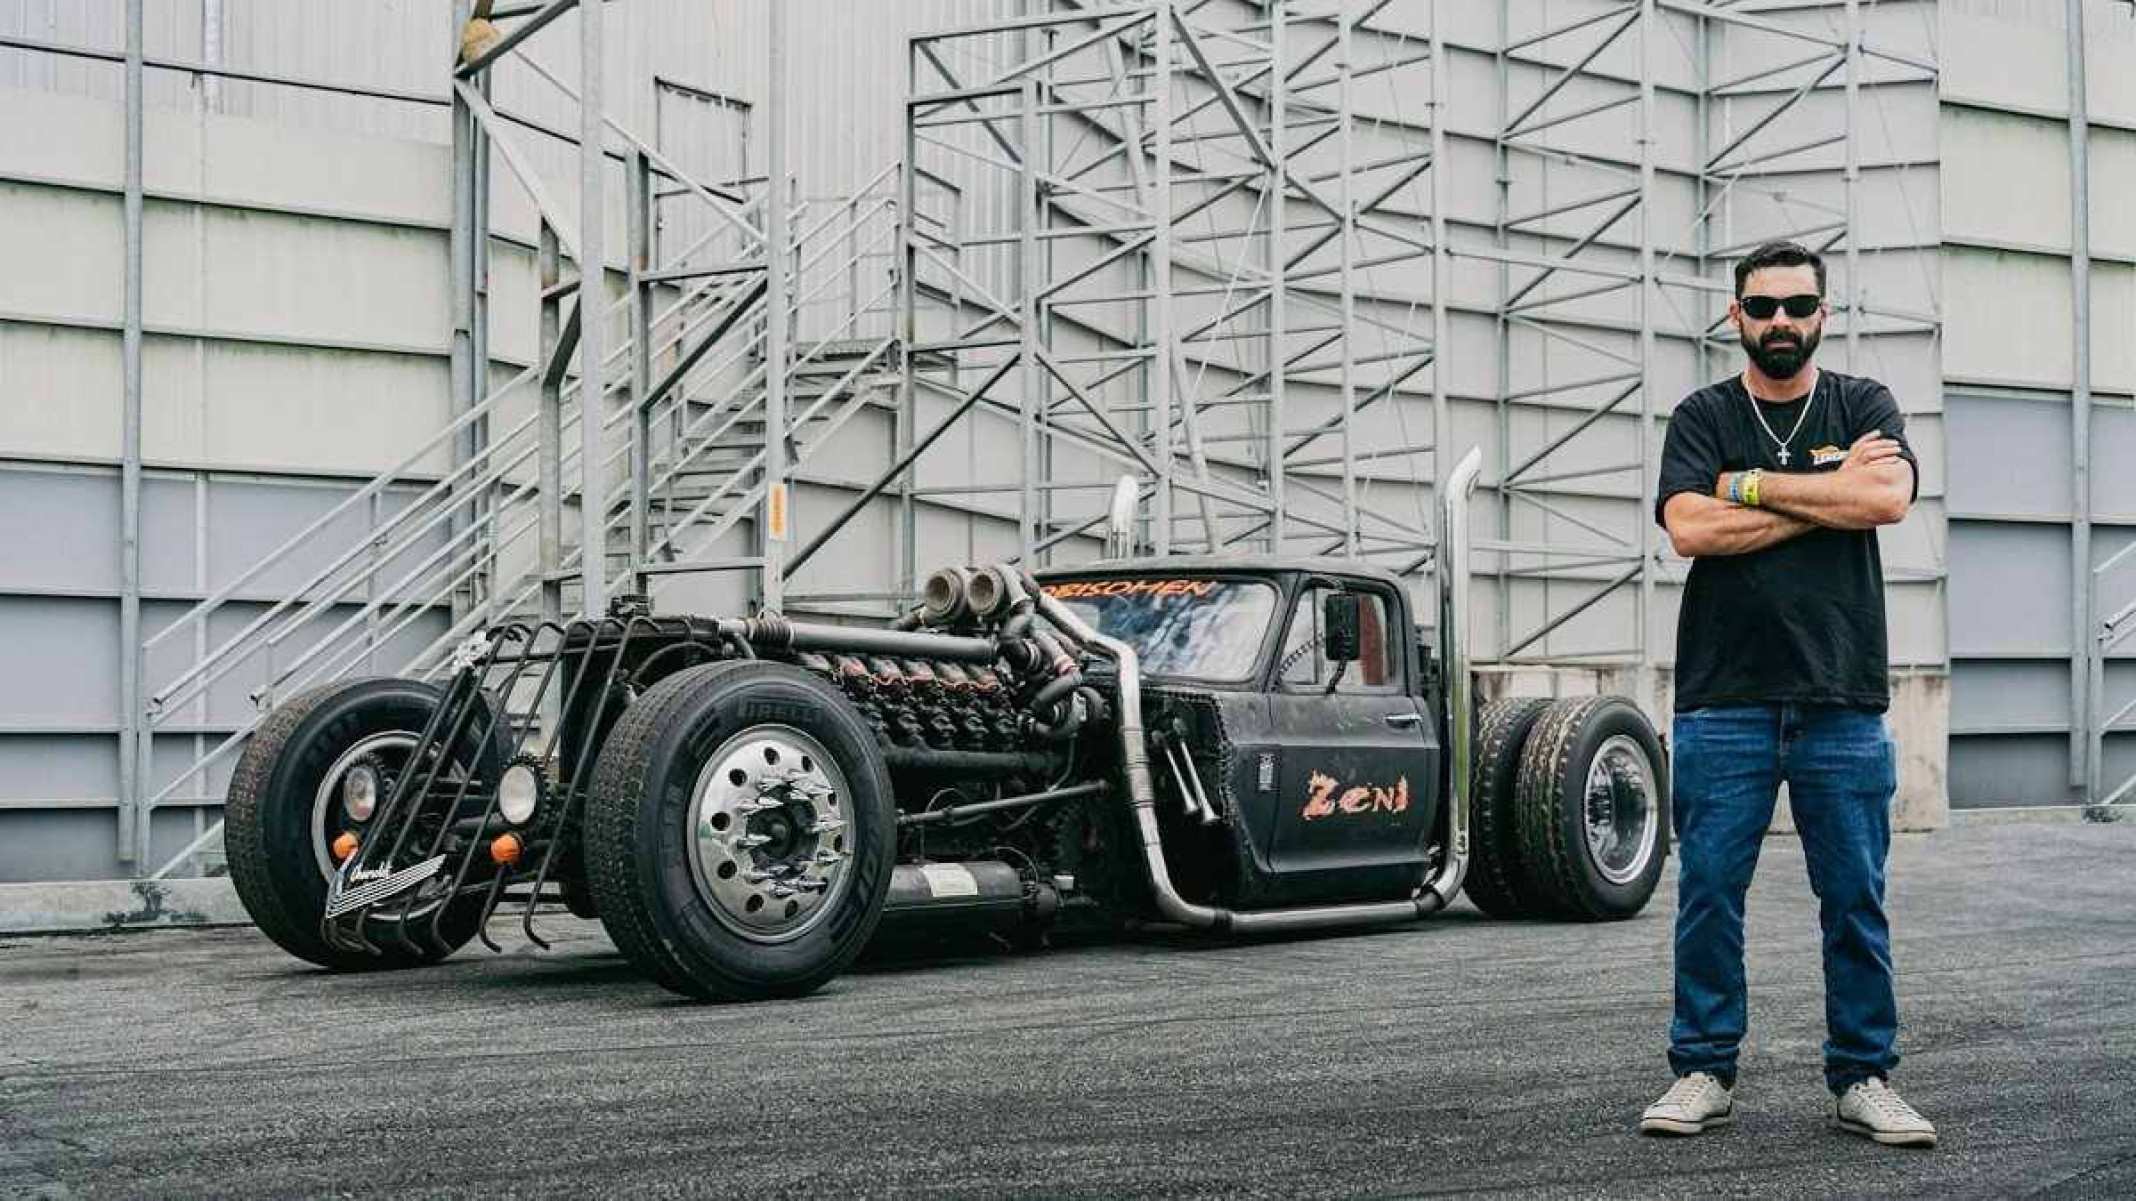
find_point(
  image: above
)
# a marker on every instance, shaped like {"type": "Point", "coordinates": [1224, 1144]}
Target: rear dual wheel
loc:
{"type": "Point", "coordinates": [1569, 809]}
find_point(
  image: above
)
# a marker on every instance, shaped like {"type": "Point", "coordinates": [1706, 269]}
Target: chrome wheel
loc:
{"type": "Point", "coordinates": [341, 805]}
{"type": "Point", "coordinates": [768, 833]}
{"type": "Point", "coordinates": [1622, 811]}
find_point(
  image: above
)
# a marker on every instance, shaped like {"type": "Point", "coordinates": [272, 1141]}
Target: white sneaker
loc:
{"type": "Point", "coordinates": [1696, 1103]}
{"type": "Point", "coordinates": [1872, 1110]}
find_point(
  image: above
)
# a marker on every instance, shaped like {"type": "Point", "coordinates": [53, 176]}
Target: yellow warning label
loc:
{"type": "Point", "coordinates": [775, 513]}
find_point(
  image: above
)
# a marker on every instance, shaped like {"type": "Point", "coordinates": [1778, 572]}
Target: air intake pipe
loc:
{"type": "Point", "coordinates": [946, 597]}
{"type": "Point", "coordinates": [990, 593]}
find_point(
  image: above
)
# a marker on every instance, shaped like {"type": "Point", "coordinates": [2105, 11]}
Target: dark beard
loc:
{"type": "Point", "coordinates": [1779, 356]}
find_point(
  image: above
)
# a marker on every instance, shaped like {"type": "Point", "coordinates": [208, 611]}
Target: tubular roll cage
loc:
{"type": "Point", "coordinates": [475, 730]}
{"type": "Point", "coordinates": [494, 703]}
{"type": "Point", "coordinates": [472, 700]}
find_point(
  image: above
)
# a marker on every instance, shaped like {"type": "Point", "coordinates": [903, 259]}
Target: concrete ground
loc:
{"type": "Point", "coordinates": [1458, 1056]}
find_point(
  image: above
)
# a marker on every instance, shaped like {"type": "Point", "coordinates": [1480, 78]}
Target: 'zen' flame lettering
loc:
{"type": "Point", "coordinates": [1322, 799]}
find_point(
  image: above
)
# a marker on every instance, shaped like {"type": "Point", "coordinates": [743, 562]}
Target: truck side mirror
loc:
{"type": "Point", "coordinates": [1341, 615]}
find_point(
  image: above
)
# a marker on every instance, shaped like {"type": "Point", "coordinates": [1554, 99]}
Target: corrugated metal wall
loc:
{"type": "Point", "coordinates": [296, 306]}
{"type": "Point", "coordinates": [2009, 362]}
{"type": "Point", "coordinates": [297, 312]}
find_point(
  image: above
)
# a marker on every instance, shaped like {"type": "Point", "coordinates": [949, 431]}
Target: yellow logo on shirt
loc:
{"type": "Point", "coordinates": [1819, 456]}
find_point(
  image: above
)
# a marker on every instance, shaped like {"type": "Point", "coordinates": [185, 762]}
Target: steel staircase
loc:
{"type": "Point", "coordinates": [430, 550]}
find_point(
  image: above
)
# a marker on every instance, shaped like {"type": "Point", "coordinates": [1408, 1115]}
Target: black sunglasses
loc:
{"type": "Point", "coordinates": [1762, 308]}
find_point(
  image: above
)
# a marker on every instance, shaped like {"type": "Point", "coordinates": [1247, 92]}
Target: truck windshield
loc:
{"type": "Point", "coordinates": [1203, 628]}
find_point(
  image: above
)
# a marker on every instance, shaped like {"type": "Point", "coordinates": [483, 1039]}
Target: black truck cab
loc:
{"type": "Point", "coordinates": [1312, 727]}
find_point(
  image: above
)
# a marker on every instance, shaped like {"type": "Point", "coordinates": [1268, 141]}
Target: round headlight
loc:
{"type": "Point", "coordinates": [359, 792]}
{"type": "Point", "coordinates": [518, 793]}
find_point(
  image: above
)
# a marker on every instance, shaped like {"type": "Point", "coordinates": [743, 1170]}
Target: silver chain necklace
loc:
{"type": "Point", "coordinates": [1757, 411]}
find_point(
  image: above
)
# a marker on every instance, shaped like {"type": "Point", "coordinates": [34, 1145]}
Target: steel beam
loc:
{"type": "Point", "coordinates": [134, 742]}
{"type": "Point", "coordinates": [1648, 693]}
{"type": "Point", "coordinates": [639, 225]}
{"type": "Point", "coordinates": [593, 325]}
{"type": "Point", "coordinates": [549, 429]}
{"type": "Point", "coordinates": [772, 526]}
{"type": "Point", "coordinates": [1278, 150]}
{"type": "Point", "coordinates": [2087, 741]}
{"type": "Point", "coordinates": [510, 41]}
{"type": "Point", "coordinates": [906, 571]}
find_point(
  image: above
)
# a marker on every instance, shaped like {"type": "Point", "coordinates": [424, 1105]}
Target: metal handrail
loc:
{"type": "Point", "coordinates": [303, 538]}
{"type": "Point", "coordinates": [482, 489]}
{"type": "Point", "coordinates": [744, 389]}
{"type": "Point", "coordinates": [2112, 631]}
{"type": "Point", "coordinates": [566, 455]}
{"type": "Point", "coordinates": [702, 508]}
{"type": "Point", "coordinates": [695, 431]}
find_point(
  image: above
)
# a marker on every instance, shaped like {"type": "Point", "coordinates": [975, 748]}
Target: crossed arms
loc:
{"type": "Point", "coordinates": [1871, 488]}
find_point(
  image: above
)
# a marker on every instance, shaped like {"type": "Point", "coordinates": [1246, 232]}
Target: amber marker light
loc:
{"type": "Point", "coordinates": [344, 846]}
{"type": "Point", "coordinates": [505, 850]}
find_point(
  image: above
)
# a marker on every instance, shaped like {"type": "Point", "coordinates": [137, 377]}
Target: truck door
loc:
{"type": "Point", "coordinates": [1358, 764]}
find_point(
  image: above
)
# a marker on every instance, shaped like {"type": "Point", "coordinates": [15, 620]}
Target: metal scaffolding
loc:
{"type": "Point", "coordinates": [1561, 262]}
{"type": "Point", "coordinates": [1226, 261]}
{"type": "Point", "coordinates": [1176, 293]}
{"type": "Point", "coordinates": [671, 449]}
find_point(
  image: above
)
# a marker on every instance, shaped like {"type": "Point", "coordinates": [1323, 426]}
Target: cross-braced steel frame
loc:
{"type": "Point", "coordinates": [672, 449]}
{"type": "Point", "coordinates": [1226, 274]}
{"type": "Point", "coordinates": [1179, 288]}
{"type": "Point", "coordinates": [1597, 285]}
{"type": "Point", "coordinates": [1217, 251]}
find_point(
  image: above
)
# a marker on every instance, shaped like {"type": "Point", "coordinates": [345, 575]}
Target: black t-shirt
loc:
{"type": "Point", "coordinates": [1802, 620]}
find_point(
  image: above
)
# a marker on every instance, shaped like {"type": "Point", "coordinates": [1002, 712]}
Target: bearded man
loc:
{"type": "Point", "coordinates": [1773, 483]}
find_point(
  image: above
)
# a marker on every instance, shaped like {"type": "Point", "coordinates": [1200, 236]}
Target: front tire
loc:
{"type": "Point", "coordinates": [281, 816]}
{"type": "Point", "coordinates": [740, 832]}
{"type": "Point", "coordinates": [1594, 808]}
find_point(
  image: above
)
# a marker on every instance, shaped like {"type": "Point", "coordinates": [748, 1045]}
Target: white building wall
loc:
{"type": "Point", "coordinates": [296, 307]}
{"type": "Point", "coordinates": [297, 310]}
{"type": "Point", "coordinates": [2010, 366]}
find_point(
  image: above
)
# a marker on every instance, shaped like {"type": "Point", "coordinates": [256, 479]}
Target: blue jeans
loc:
{"type": "Point", "coordinates": [1841, 772]}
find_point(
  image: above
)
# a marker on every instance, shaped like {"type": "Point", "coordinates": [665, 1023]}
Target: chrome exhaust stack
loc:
{"type": "Point", "coordinates": [1120, 521]}
{"type": "Point", "coordinates": [1460, 707]}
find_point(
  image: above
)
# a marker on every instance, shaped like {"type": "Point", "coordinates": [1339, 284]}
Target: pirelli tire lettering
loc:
{"type": "Point", "coordinates": [747, 804]}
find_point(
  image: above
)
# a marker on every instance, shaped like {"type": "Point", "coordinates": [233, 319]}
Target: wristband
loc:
{"type": "Point", "coordinates": [1733, 493]}
{"type": "Point", "coordinates": [1750, 486]}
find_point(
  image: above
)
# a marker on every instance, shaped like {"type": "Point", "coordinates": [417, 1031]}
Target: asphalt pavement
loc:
{"type": "Point", "coordinates": [1458, 1056]}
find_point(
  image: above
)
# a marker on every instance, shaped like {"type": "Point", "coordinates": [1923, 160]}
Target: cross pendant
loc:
{"type": "Point", "coordinates": [1783, 456]}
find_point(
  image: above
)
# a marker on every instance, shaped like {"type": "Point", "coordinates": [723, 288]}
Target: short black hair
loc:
{"type": "Point", "coordinates": [1778, 254]}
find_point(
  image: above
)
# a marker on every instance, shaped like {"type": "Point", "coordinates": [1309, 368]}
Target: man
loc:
{"type": "Point", "coordinates": [1773, 482]}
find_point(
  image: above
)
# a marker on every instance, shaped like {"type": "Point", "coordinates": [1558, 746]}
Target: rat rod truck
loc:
{"type": "Point", "coordinates": [1226, 744]}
